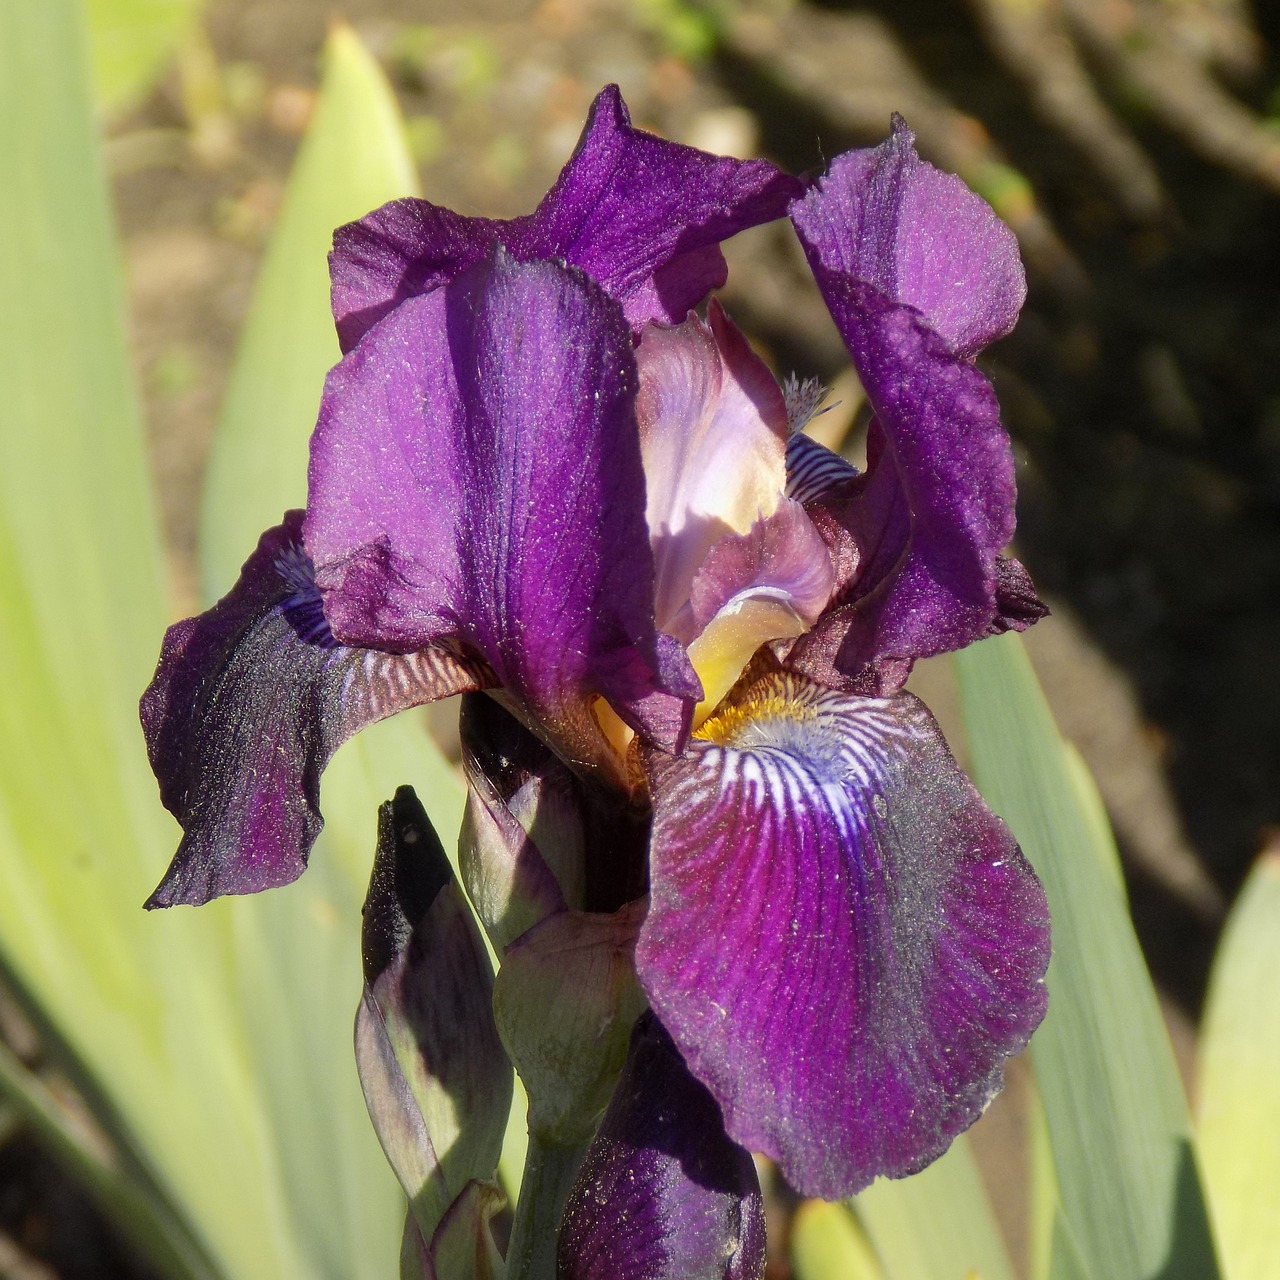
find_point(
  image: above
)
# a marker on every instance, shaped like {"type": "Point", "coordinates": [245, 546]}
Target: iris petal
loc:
{"type": "Point", "coordinates": [919, 236]}
{"type": "Point", "coordinates": [476, 475]}
{"type": "Point", "coordinates": [769, 583]}
{"type": "Point", "coordinates": [713, 435]}
{"type": "Point", "coordinates": [643, 216]}
{"type": "Point", "coordinates": [249, 702]}
{"type": "Point", "coordinates": [844, 942]}
{"type": "Point", "coordinates": [919, 275]}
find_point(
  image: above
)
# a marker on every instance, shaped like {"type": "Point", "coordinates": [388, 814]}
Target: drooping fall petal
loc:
{"type": "Point", "coordinates": [249, 702]}
{"type": "Point", "coordinates": [643, 216]}
{"type": "Point", "coordinates": [843, 941]}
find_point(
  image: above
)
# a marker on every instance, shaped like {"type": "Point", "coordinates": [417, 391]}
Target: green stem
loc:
{"type": "Point", "coordinates": [548, 1174]}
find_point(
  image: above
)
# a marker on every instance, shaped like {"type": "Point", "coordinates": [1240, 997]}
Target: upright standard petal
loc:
{"type": "Point", "coordinates": [249, 702]}
{"type": "Point", "coordinates": [919, 275]}
{"type": "Point", "coordinates": [663, 1194]}
{"type": "Point", "coordinates": [844, 942]}
{"type": "Point", "coordinates": [643, 216]}
{"type": "Point", "coordinates": [476, 478]}
{"type": "Point", "coordinates": [918, 236]}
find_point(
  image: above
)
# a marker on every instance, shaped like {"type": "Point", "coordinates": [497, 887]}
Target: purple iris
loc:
{"type": "Point", "coordinates": [538, 473]}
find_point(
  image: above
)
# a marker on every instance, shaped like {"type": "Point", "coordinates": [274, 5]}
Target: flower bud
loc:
{"type": "Point", "coordinates": [461, 1247]}
{"type": "Point", "coordinates": [663, 1193]}
{"type": "Point", "coordinates": [435, 1077]}
{"type": "Point", "coordinates": [565, 1000]}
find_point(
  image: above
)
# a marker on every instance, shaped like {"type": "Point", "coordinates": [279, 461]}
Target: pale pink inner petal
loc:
{"type": "Point", "coordinates": [713, 432]}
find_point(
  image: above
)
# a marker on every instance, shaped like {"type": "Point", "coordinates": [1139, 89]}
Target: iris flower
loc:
{"type": "Point", "coordinates": [540, 473]}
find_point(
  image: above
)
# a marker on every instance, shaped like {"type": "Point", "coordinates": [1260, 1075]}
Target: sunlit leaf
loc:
{"type": "Point", "coordinates": [1131, 1202]}
{"type": "Point", "coordinates": [139, 1005]}
{"type": "Point", "coordinates": [1239, 1080]}
{"type": "Point", "coordinates": [131, 43]}
{"type": "Point", "coordinates": [937, 1224]}
{"type": "Point", "coordinates": [827, 1244]}
{"type": "Point", "coordinates": [299, 947]}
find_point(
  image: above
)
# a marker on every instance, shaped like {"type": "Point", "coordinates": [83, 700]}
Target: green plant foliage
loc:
{"type": "Point", "coordinates": [1239, 1080]}
{"type": "Point", "coordinates": [130, 44]}
{"type": "Point", "coordinates": [1131, 1206]}
{"type": "Point", "coordinates": [141, 1003]}
{"type": "Point", "coordinates": [936, 1225]}
{"type": "Point", "coordinates": [827, 1244]}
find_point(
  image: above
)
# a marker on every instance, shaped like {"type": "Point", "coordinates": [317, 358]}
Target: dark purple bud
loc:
{"type": "Point", "coordinates": [435, 1077]}
{"type": "Point", "coordinates": [663, 1193]}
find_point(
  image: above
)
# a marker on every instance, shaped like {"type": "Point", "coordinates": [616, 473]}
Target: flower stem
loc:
{"type": "Point", "coordinates": [548, 1174]}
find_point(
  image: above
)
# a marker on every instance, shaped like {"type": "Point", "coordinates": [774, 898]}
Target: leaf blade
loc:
{"type": "Point", "coordinates": [335, 1181]}
{"type": "Point", "coordinates": [1117, 1117]}
{"type": "Point", "coordinates": [1239, 1088]}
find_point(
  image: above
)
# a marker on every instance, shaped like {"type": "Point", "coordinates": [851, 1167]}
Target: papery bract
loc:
{"type": "Point", "coordinates": [435, 1078]}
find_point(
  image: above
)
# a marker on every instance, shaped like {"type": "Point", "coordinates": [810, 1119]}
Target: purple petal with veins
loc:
{"type": "Point", "coordinates": [476, 476]}
{"type": "Point", "coordinates": [844, 942]}
{"type": "Point", "coordinates": [918, 236]}
{"type": "Point", "coordinates": [643, 216]}
{"type": "Point", "coordinates": [919, 275]}
{"type": "Point", "coordinates": [249, 702]}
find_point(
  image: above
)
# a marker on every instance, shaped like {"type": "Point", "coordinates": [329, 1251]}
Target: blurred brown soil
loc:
{"type": "Point", "coordinates": [1124, 141]}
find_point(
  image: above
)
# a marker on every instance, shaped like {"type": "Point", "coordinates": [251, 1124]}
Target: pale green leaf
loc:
{"type": "Point", "coordinates": [1117, 1118]}
{"type": "Point", "coordinates": [140, 1003]}
{"type": "Point", "coordinates": [936, 1225]}
{"type": "Point", "coordinates": [299, 947]}
{"type": "Point", "coordinates": [828, 1244]}
{"type": "Point", "coordinates": [131, 43]}
{"type": "Point", "coordinates": [1239, 1079]}
{"type": "Point", "coordinates": [1054, 1254]}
